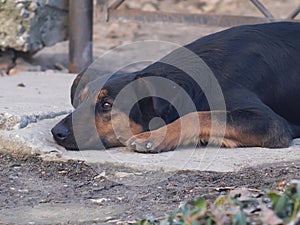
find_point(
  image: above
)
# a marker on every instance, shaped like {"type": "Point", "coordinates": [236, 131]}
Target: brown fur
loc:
{"type": "Point", "coordinates": [172, 135]}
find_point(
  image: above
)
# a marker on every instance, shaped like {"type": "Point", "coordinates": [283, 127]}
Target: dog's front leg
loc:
{"type": "Point", "coordinates": [191, 129]}
{"type": "Point", "coordinates": [244, 128]}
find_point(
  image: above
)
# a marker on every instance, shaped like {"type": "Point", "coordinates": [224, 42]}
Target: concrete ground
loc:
{"type": "Point", "coordinates": [32, 103]}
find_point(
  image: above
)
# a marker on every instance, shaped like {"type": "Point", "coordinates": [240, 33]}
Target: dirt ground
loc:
{"type": "Point", "coordinates": [29, 181]}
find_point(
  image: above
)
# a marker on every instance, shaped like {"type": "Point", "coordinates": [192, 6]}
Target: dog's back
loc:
{"type": "Point", "coordinates": [263, 59]}
{"type": "Point", "coordinates": [257, 68]}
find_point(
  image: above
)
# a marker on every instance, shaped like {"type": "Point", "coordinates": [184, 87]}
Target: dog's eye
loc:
{"type": "Point", "coordinates": [106, 105]}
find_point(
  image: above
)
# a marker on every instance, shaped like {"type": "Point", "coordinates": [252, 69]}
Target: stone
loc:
{"type": "Point", "coordinates": [30, 25]}
{"type": "Point", "coordinates": [7, 62]}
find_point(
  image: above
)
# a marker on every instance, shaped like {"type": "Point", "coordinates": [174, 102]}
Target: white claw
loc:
{"type": "Point", "coordinates": [149, 145]}
{"type": "Point", "coordinates": [133, 144]}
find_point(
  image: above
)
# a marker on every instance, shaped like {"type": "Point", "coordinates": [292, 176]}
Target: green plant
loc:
{"type": "Point", "coordinates": [270, 207]}
{"type": "Point", "coordinates": [286, 205]}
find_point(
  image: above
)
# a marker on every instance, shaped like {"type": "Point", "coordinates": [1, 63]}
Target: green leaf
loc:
{"type": "Point", "coordinates": [199, 203]}
{"type": "Point", "coordinates": [208, 221]}
{"type": "Point", "coordinates": [195, 223]}
{"type": "Point", "coordinates": [298, 190]}
{"type": "Point", "coordinates": [171, 217]}
{"type": "Point", "coordinates": [221, 200]}
{"type": "Point", "coordinates": [274, 196]}
{"type": "Point", "coordinates": [280, 206]}
{"type": "Point", "coordinates": [296, 208]}
{"type": "Point", "coordinates": [240, 219]}
{"type": "Point", "coordinates": [296, 198]}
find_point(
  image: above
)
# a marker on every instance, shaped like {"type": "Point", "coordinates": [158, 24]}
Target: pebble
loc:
{"type": "Point", "coordinates": [123, 174]}
{"type": "Point", "coordinates": [99, 200]}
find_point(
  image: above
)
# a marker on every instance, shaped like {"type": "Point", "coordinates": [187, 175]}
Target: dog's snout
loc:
{"type": "Point", "coordinates": [60, 132]}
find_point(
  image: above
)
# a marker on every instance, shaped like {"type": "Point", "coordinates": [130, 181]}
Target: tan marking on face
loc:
{"type": "Point", "coordinates": [114, 123]}
{"type": "Point", "coordinates": [83, 94]}
{"type": "Point", "coordinates": [103, 93]}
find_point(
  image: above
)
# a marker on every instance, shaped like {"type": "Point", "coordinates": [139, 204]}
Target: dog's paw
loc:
{"type": "Point", "coordinates": [143, 143]}
{"type": "Point", "coordinates": [151, 142]}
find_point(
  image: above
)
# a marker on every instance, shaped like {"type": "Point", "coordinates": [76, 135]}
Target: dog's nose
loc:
{"type": "Point", "coordinates": [60, 132]}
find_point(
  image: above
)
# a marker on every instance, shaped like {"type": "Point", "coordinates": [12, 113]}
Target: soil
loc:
{"type": "Point", "coordinates": [30, 181]}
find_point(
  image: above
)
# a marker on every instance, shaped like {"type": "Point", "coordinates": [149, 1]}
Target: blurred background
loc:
{"type": "Point", "coordinates": [34, 34]}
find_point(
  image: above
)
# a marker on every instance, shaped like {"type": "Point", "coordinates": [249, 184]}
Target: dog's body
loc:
{"type": "Point", "coordinates": [258, 70]}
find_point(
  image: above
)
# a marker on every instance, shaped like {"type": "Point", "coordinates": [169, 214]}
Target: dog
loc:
{"type": "Point", "coordinates": [257, 68]}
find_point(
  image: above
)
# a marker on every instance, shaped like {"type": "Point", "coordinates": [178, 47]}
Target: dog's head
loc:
{"type": "Point", "coordinates": [106, 112]}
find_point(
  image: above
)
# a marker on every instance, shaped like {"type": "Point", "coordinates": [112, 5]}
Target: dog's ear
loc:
{"type": "Point", "coordinates": [151, 105]}
{"type": "Point", "coordinates": [145, 88]}
{"type": "Point", "coordinates": [164, 97]}
{"type": "Point", "coordinates": [76, 89]}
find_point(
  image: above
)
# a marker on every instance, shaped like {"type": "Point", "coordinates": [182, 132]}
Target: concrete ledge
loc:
{"type": "Point", "coordinates": [30, 97]}
{"type": "Point", "coordinates": [37, 139]}
{"type": "Point", "coordinates": [45, 96]}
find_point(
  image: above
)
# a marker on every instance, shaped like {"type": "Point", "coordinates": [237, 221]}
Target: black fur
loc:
{"type": "Point", "coordinates": [258, 70]}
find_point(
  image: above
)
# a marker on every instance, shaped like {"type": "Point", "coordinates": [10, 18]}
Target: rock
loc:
{"type": "Point", "coordinates": [99, 200]}
{"type": "Point", "coordinates": [7, 61]}
{"type": "Point", "coordinates": [30, 25]}
{"type": "Point", "coordinates": [10, 122]}
{"type": "Point", "coordinates": [123, 174]}
{"type": "Point", "coordinates": [22, 65]}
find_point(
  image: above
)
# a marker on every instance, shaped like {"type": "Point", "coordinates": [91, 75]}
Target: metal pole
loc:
{"type": "Point", "coordinates": [294, 13]}
{"type": "Point", "coordinates": [80, 34]}
{"type": "Point", "coordinates": [263, 9]}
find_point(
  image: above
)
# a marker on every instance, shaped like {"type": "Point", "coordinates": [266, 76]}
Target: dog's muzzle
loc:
{"type": "Point", "coordinates": [63, 135]}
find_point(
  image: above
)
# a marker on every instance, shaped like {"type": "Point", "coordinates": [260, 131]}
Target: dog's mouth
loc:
{"type": "Point", "coordinates": [72, 148]}
{"type": "Point", "coordinates": [63, 136]}
{"type": "Point", "coordinates": [70, 144]}
{"type": "Point", "coordinates": [67, 146]}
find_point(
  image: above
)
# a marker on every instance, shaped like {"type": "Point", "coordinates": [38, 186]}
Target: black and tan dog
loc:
{"type": "Point", "coordinates": [257, 68]}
